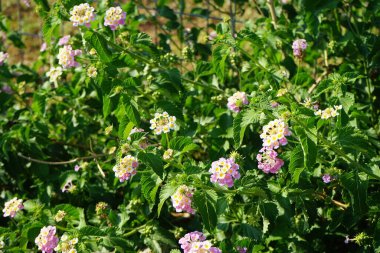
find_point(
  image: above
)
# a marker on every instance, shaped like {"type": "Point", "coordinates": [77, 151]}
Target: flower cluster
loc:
{"type": "Point", "coordinates": [299, 46]}
{"type": "Point", "coordinates": [115, 16]}
{"type": "Point", "coordinates": [12, 207]}
{"type": "Point", "coordinates": [3, 57]}
{"type": "Point", "coordinates": [182, 199]}
{"type": "Point", "coordinates": [66, 56]}
{"type": "Point", "coordinates": [47, 240]}
{"type": "Point", "coordinates": [54, 74]}
{"type": "Point", "coordinates": [223, 171]}
{"type": "Point", "coordinates": [59, 216]}
{"type": "Point", "coordinates": [92, 72]}
{"type": "Point", "coordinates": [67, 245]}
{"type": "Point", "coordinates": [274, 134]}
{"type": "Point", "coordinates": [82, 14]}
{"type": "Point", "coordinates": [64, 40]}
{"type": "Point", "coordinates": [168, 154]}
{"type": "Point", "coordinates": [162, 123]}
{"type": "Point", "coordinates": [326, 178]}
{"type": "Point", "coordinates": [126, 168]}
{"type": "Point", "coordinates": [195, 242]}
{"type": "Point", "coordinates": [268, 161]}
{"type": "Point", "coordinates": [329, 112]}
{"type": "Point", "coordinates": [237, 100]}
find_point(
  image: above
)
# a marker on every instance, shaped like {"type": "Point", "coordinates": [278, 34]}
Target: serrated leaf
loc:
{"type": "Point", "coordinates": [100, 44]}
{"type": "Point", "coordinates": [149, 185]}
{"type": "Point", "coordinates": [309, 148]}
{"type": "Point", "coordinates": [106, 106]}
{"type": "Point", "coordinates": [249, 231]}
{"type": "Point", "coordinates": [91, 231]}
{"type": "Point", "coordinates": [166, 192]}
{"type": "Point", "coordinates": [71, 212]}
{"type": "Point", "coordinates": [219, 58]}
{"type": "Point", "coordinates": [205, 201]}
{"type": "Point", "coordinates": [296, 165]}
{"type": "Point", "coordinates": [357, 188]}
{"type": "Point", "coordinates": [153, 161]}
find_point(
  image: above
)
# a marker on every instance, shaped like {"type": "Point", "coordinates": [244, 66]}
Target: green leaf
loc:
{"type": "Point", "coordinates": [357, 188]}
{"type": "Point", "coordinates": [39, 103]}
{"type": "Point", "coordinates": [91, 231]}
{"type": "Point", "coordinates": [309, 148]}
{"type": "Point", "coordinates": [150, 183]}
{"type": "Point", "coordinates": [205, 201]}
{"type": "Point", "coordinates": [238, 130]}
{"type": "Point", "coordinates": [296, 165]}
{"type": "Point", "coordinates": [100, 44]}
{"type": "Point", "coordinates": [153, 161]}
{"type": "Point", "coordinates": [219, 58]}
{"type": "Point", "coordinates": [249, 231]}
{"type": "Point", "coordinates": [106, 106]}
{"type": "Point", "coordinates": [166, 192]}
{"type": "Point", "coordinates": [71, 212]}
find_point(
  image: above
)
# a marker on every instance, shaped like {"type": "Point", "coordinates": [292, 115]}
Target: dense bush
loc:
{"type": "Point", "coordinates": [265, 139]}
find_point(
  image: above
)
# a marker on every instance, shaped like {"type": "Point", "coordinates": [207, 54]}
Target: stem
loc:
{"type": "Point", "coordinates": [114, 36]}
{"type": "Point", "coordinates": [335, 202]}
{"type": "Point", "coordinates": [62, 162]}
{"type": "Point", "coordinates": [272, 12]}
{"type": "Point", "coordinates": [167, 140]}
{"type": "Point", "coordinates": [298, 70]}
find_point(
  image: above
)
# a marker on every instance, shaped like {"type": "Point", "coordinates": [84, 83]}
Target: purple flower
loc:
{"type": "Point", "coordinates": [47, 240]}
{"type": "Point", "coordinates": [196, 242]}
{"type": "Point", "coordinates": [241, 249]}
{"type": "Point", "coordinates": [299, 46]}
{"type": "Point", "coordinates": [224, 171]}
{"type": "Point", "coordinates": [268, 160]}
{"type": "Point", "coordinates": [237, 100]}
{"type": "Point", "coordinates": [77, 167]}
{"type": "Point", "coordinates": [115, 17]}
{"type": "Point", "coordinates": [3, 57]}
{"type": "Point", "coordinates": [326, 178]}
{"type": "Point", "coordinates": [66, 56]}
{"type": "Point", "coordinates": [212, 35]}
{"type": "Point", "coordinates": [43, 47]}
{"type": "Point", "coordinates": [7, 89]}
{"type": "Point", "coordinates": [64, 40]}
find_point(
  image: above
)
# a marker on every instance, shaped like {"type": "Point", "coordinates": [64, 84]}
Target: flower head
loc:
{"type": "Point", "coordinates": [43, 47]}
{"type": "Point", "coordinates": [195, 242]}
{"type": "Point", "coordinates": [59, 215]}
{"type": "Point", "coordinates": [12, 206]}
{"type": "Point", "coordinates": [168, 154]}
{"type": "Point", "coordinates": [241, 249]}
{"type": "Point", "coordinates": [47, 240]}
{"type": "Point", "coordinates": [64, 40]}
{"type": "Point", "coordinates": [237, 100]}
{"type": "Point", "coordinates": [274, 134]}
{"type": "Point", "coordinates": [182, 199]}
{"type": "Point", "coordinates": [326, 178]}
{"type": "Point", "coordinates": [212, 35]}
{"type": "Point", "coordinates": [330, 112]}
{"type": "Point", "coordinates": [299, 46]}
{"type": "Point", "coordinates": [54, 74]}
{"type": "Point", "coordinates": [77, 167]}
{"type": "Point", "coordinates": [126, 168]}
{"type": "Point", "coordinates": [92, 72]}
{"type": "Point", "coordinates": [224, 171]}
{"type": "Point", "coordinates": [67, 244]}
{"type": "Point", "coordinates": [82, 14]}
{"type": "Point", "coordinates": [268, 160]}
{"type": "Point", "coordinates": [66, 56]}
{"type": "Point", "coordinates": [162, 123]}
{"type": "Point", "coordinates": [115, 17]}
{"type": "Point", "coordinates": [3, 57]}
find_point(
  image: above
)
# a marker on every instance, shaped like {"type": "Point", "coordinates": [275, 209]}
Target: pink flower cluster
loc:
{"type": "Point", "coordinates": [126, 168]}
{"type": "Point", "coordinates": [195, 242]}
{"type": "Point", "coordinates": [274, 135]}
{"type": "Point", "coordinates": [66, 56]}
{"type": "Point", "coordinates": [268, 161]}
{"type": "Point", "coordinates": [12, 206]}
{"type": "Point", "coordinates": [64, 40]}
{"type": "Point", "coordinates": [237, 100]}
{"type": "Point", "coordinates": [223, 171]}
{"type": "Point", "coordinates": [3, 57]}
{"type": "Point", "coordinates": [115, 17]}
{"type": "Point", "coordinates": [182, 199]}
{"type": "Point", "coordinates": [47, 240]}
{"type": "Point", "coordinates": [299, 46]}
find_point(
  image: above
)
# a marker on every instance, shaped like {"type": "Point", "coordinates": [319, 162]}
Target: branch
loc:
{"type": "Point", "coordinates": [61, 162]}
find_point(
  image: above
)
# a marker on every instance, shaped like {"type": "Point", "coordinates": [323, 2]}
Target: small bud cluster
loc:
{"type": "Point", "coordinates": [92, 72]}
{"type": "Point", "coordinates": [47, 240]}
{"type": "Point", "coordinates": [3, 57]}
{"type": "Point", "coordinates": [329, 112]}
{"type": "Point", "coordinates": [162, 123]}
{"type": "Point", "coordinates": [115, 17]}
{"type": "Point", "coordinates": [195, 242]}
{"type": "Point", "coordinates": [182, 199]}
{"type": "Point", "coordinates": [12, 207]}
{"type": "Point", "coordinates": [66, 56]}
{"type": "Point", "coordinates": [67, 245]}
{"type": "Point", "coordinates": [168, 154]}
{"type": "Point", "coordinates": [299, 46]}
{"type": "Point", "coordinates": [237, 101]}
{"type": "Point", "coordinates": [126, 168]}
{"type": "Point", "coordinates": [82, 14]}
{"type": "Point", "coordinates": [59, 216]}
{"type": "Point", "coordinates": [224, 171]}
{"type": "Point", "coordinates": [54, 74]}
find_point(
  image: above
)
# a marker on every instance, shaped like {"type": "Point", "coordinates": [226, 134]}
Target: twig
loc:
{"type": "Point", "coordinates": [62, 162]}
{"type": "Point", "coordinates": [272, 12]}
{"type": "Point", "coordinates": [335, 202]}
